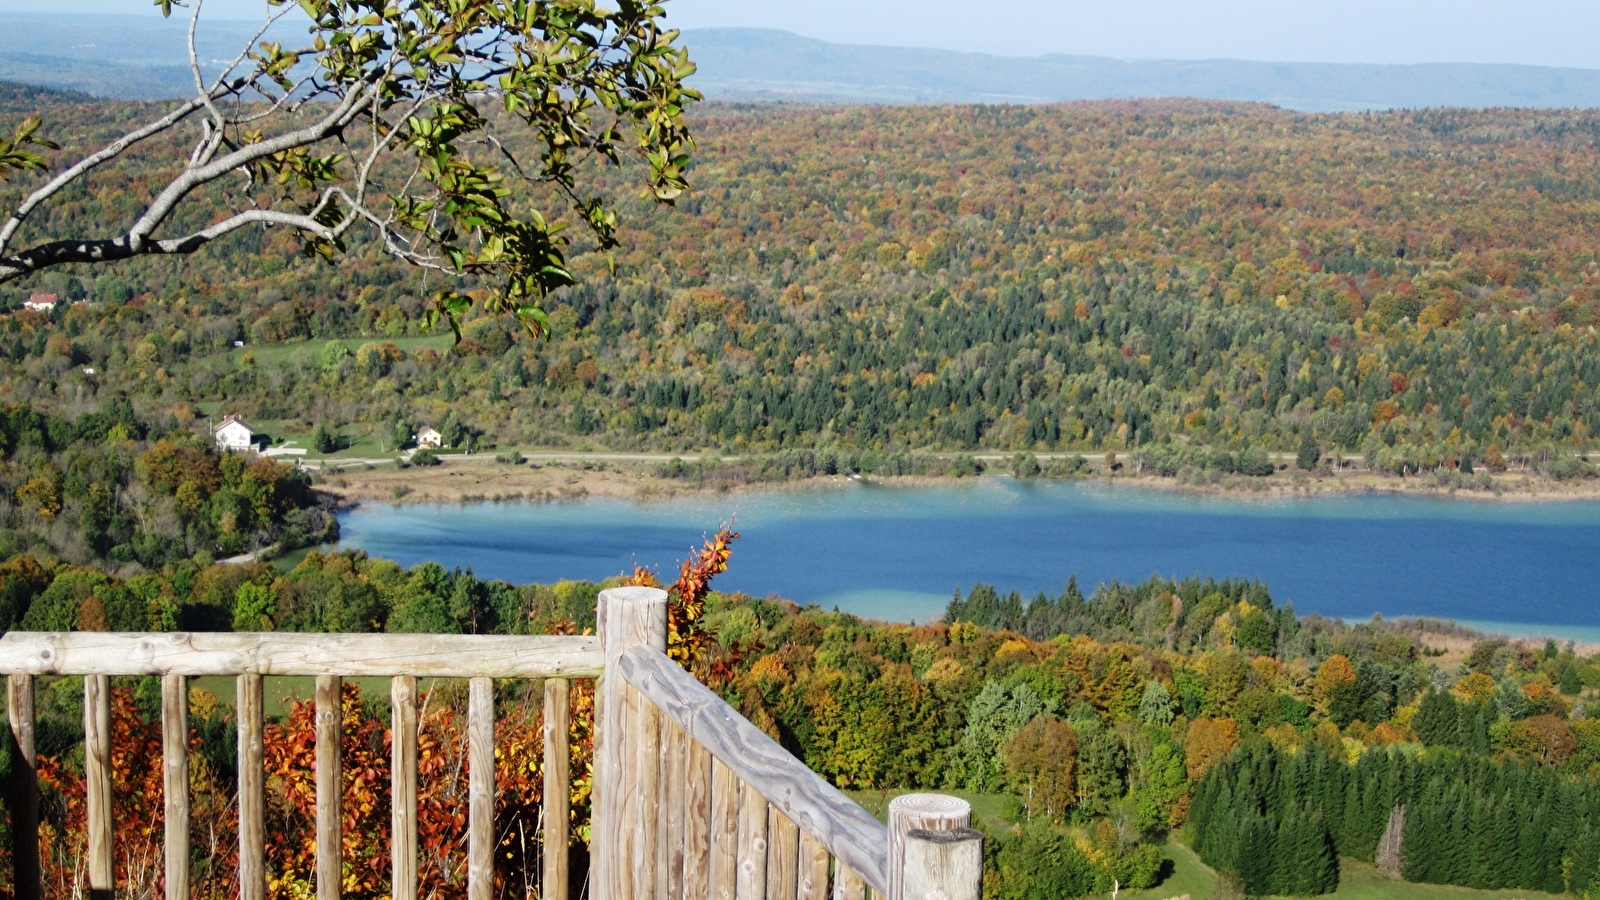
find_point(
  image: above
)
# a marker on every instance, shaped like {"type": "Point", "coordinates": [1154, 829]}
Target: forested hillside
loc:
{"type": "Point", "coordinates": [1085, 276]}
{"type": "Point", "coordinates": [1096, 726]}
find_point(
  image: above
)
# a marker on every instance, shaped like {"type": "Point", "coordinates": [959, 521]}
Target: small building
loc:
{"type": "Point", "coordinates": [233, 434]}
{"type": "Point", "coordinates": [428, 439]}
{"type": "Point", "coordinates": [41, 302]}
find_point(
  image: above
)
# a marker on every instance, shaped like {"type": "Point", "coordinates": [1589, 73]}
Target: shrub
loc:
{"type": "Point", "coordinates": [424, 458]}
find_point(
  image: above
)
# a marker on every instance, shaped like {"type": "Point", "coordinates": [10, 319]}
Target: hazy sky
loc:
{"type": "Point", "coordinates": [1534, 32]}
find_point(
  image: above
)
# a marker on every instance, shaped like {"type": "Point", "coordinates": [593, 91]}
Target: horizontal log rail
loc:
{"type": "Point", "coordinates": [401, 658]}
{"type": "Point", "coordinates": [347, 655]}
{"type": "Point", "coordinates": [848, 832]}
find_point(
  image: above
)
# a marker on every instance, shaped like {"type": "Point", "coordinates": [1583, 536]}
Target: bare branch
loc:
{"type": "Point", "coordinates": [109, 152]}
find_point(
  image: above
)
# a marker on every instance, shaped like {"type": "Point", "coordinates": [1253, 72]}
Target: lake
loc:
{"type": "Point", "coordinates": [897, 553]}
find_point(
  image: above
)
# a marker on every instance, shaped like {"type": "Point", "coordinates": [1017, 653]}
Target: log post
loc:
{"type": "Point", "coordinates": [628, 617]}
{"type": "Point", "coordinates": [25, 789]}
{"type": "Point", "coordinates": [97, 780]}
{"type": "Point", "coordinates": [403, 787]}
{"type": "Point", "coordinates": [252, 790]}
{"type": "Point", "coordinates": [480, 789]}
{"type": "Point", "coordinates": [920, 812]}
{"type": "Point", "coordinates": [724, 837]}
{"type": "Point", "coordinates": [557, 786]}
{"type": "Point", "coordinates": [943, 865]}
{"type": "Point", "coordinates": [175, 782]}
{"type": "Point", "coordinates": [330, 788]}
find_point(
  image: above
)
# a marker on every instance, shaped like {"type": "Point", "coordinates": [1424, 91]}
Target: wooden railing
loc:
{"type": "Point", "coordinates": [690, 801]}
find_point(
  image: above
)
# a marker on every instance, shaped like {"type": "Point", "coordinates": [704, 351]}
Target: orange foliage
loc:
{"type": "Point", "coordinates": [1335, 670]}
{"type": "Point", "coordinates": [688, 641]}
{"type": "Point", "coordinates": [1208, 742]}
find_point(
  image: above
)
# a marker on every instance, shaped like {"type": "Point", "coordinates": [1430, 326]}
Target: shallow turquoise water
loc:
{"type": "Point", "coordinates": [898, 553]}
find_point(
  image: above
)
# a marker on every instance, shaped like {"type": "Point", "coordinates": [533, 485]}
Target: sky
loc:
{"type": "Point", "coordinates": [1530, 32]}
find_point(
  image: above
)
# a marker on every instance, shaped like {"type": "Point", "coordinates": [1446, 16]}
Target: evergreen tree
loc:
{"type": "Point", "coordinates": [1155, 708]}
{"type": "Point", "coordinates": [324, 440]}
{"type": "Point", "coordinates": [1310, 454]}
{"type": "Point", "coordinates": [1435, 722]}
{"type": "Point", "coordinates": [1571, 685]}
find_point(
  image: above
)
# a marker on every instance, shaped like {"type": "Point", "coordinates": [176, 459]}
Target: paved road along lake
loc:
{"type": "Point", "coordinates": [898, 553]}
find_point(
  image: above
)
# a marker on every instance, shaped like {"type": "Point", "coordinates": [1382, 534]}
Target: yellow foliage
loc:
{"type": "Point", "coordinates": [1475, 688]}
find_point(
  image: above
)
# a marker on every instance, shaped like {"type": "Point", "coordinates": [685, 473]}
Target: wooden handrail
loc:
{"type": "Point", "coordinates": [821, 810]}
{"type": "Point", "coordinates": [175, 656]}
{"type": "Point", "coordinates": [279, 653]}
{"type": "Point", "coordinates": [689, 798]}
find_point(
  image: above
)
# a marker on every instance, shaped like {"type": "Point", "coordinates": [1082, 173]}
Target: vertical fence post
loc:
{"type": "Point", "coordinates": [920, 812]}
{"type": "Point", "coordinates": [24, 789]}
{"type": "Point", "coordinates": [480, 789]}
{"type": "Point", "coordinates": [175, 782]}
{"type": "Point", "coordinates": [97, 780]}
{"type": "Point", "coordinates": [403, 787]}
{"type": "Point", "coordinates": [628, 617]}
{"type": "Point", "coordinates": [252, 790]}
{"type": "Point", "coordinates": [557, 786]}
{"type": "Point", "coordinates": [943, 864]}
{"type": "Point", "coordinates": [330, 788]}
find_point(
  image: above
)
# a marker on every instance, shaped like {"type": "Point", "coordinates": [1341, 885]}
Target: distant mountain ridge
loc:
{"type": "Point", "coordinates": [143, 57]}
{"type": "Point", "coordinates": [741, 63]}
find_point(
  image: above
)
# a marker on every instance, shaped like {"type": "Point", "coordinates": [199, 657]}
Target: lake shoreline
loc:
{"type": "Point", "coordinates": [483, 480]}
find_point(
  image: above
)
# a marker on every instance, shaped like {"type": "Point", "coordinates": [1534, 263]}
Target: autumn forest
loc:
{"type": "Point", "coordinates": [887, 290]}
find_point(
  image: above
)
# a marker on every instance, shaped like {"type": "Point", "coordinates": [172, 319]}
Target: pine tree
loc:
{"type": "Point", "coordinates": [1571, 684]}
{"type": "Point", "coordinates": [1435, 722]}
{"type": "Point", "coordinates": [1310, 454]}
{"type": "Point", "coordinates": [1320, 864]}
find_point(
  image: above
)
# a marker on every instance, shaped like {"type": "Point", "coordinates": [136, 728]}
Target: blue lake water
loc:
{"type": "Point", "coordinates": [897, 553]}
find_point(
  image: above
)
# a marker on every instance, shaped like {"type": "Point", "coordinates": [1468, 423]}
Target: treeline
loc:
{"type": "Point", "coordinates": [1277, 820]}
{"type": "Point", "coordinates": [1180, 615]}
{"type": "Point", "coordinates": [113, 488]}
{"type": "Point", "coordinates": [332, 592]}
{"type": "Point", "coordinates": [792, 465]}
{"type": "Point", "coordinates": [1110, 276]}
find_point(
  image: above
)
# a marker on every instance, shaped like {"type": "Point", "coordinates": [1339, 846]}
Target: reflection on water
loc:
{"type": "Point", "coordinates": [898, 553]}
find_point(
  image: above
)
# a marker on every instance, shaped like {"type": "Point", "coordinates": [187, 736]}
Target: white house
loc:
{"type": "Point", "coordinates": [429, 439]}
{"type": "Point", "coordinates": [233, 434]}
{"type": "Point", "coordinates": [40, 302]}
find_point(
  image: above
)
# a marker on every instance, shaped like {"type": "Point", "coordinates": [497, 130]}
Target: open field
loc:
{"type": "Point", "coordinates": [990, 808]}
{"type": "Point", "coordinates": [1357, 881]}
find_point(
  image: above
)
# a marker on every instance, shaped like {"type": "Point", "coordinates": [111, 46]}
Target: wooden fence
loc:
{"type": "Point", "coordinates": [690, 801]}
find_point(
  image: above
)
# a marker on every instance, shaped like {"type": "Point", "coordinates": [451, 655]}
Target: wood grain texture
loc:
{"type": "Point", "coordinates": [403, 787]}
{"type": "Point", "coordinates": [849, 832]}
{"type": "Point", "coordinates": [927, 812]}
{"type": "Point", "coordinates": [175, 783]}
{"type": "Point", "coordinates": [480, 789]}
{"type": "Point", "coordinates": [670, 816]}
{"type": "Point", "coordinates": [751, 883]}
{"type": "Point", "coordinates": [847, 885]}
{"type": "Point", "coordinates": [330, 788]}
{"type": "Point", "coordinates": [783, 856]}
{"type": "Point", "coordinates": [383, 655]}
{"type": "Point", "coordinates": [944, 865]}
{"type": "Point", "coordinates": [97, 781]}
{"type": "Point", "coordinates": [24, 789]}
{"type": "Point", "coordinates": [723, 874]}
{"type": "Point", "coordinates": [814, 860]}
{"type": "Point", "coordinates": [645, 810]}
{"type": "Point", "coordinates": [696, 822]}
{"type": "Point", "coordinates": [557, 787]}
{"type": "Point", "coordinates": [252, 790]}
{"type": "Point", "coordinates": [627, 617]}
